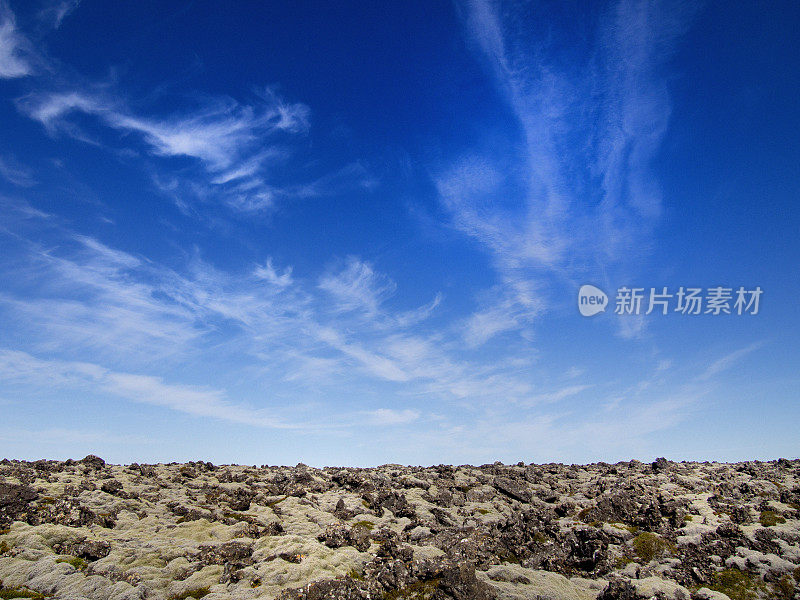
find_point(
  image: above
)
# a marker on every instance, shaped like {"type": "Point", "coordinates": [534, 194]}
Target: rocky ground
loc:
{"type": "Point", "coordinates": [87, 529]}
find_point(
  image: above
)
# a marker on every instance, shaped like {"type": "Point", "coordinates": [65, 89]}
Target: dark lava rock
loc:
{"type": "Point", "coordinates": [95, 462]}
{"type": "Point", "coordinates": [88, 550]}
{"type": "Point", "coordinates": [336, 536]}
{"type": "Point", "coordinates": [238, 553]}
{"type": "Point", "coordinates": [619, 589]}
{"type": "Point", "coordinates": [15, 501]}
{"type": "Point", "coordinates": [112, 486]}
{"type": "Point", "coordinates": [513, 489]}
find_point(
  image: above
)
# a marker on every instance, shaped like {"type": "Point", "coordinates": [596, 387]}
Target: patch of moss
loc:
{"type": "Point", "coordinates": [7, 593]}
{"type": "Point", "coordinates": [784, 588]}
{"type": "Point", "coordinates": [622, 562]}
{"type": "Point", "coordinates": [368, 525]}
{"type": "Point", "coordinates": [629, 528]}
{"type": "Point", "coordinates": [596, 524]}
{"type": "Point", "coordinates": [649, 546]}
{"type": "Point", "coordinates": [76, 562]}
{"type": "Point", "coordinates": [275, 503]}
{"type": "Point", "coordinates": [240, 516]}
{"type": "Point", "coordinates": [769, 518]}
{"type": "Point", "coordinates": [584, 515]}
{"type": "Point", "coordinates": [355, 574]}
{"type": "Point", "coordinates": [687, 518]}
{"type": "Point", "coordinates": [5, 531]}
{"type": "Point", "coordinates": [196, 593]}
{"type": "Point", "coordinates": [4, 547]}
{"type": "Point", "coordinates": [737, 585]}
{"type": "Point", "coordinates": [421, 590]}
{"type": "Point", "coordinates": [482, 511]}
{"type": "Point", "coordinates": [508, 556]}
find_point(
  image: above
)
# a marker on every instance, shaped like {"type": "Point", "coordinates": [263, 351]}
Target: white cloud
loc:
{"type": "Point", "coordinates": [268, 273]}
{"type": "Point", "coordinates": [586, 192]}
{"type": "Point", "coordinates": [729, 360]}
{"type": "Point", "coordinates": [14, 47]}
{"type": "Point", "coordinates": [357, 286]}
{"type": "Point", "coordinates": [219, 133]}
{"type": "Point", "coordinates": [557, 395]}
{"type": "Point", "coordinates": [20, 367]}
{"type": "Point", "coordinates": [390, 416]}
{"type": "Point", "coordinates": [56, 12]}
{"type": "Point", "coordinates": [235, 143]}
{"type": "Point", "coordinates": [16, 173]}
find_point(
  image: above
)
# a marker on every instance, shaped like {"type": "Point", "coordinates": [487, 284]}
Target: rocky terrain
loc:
{"type": "Point", "coordinates": [87, 529]}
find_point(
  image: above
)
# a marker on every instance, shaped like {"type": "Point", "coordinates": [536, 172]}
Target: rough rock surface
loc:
{"type": "Point", "coordinates": [91, 530]}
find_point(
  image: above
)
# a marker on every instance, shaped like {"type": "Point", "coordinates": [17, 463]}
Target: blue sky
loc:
{"type": "Point", "coordinates": [354, 233]}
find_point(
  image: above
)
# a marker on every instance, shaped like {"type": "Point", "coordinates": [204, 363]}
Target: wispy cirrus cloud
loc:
{"type": "Point", "coordinates": [16, 173]}
{"type": "Point", "coordinates": [81, 298]}
{"type": "Point", "coordinates": [55, 13]}
{"type": "Point", "coordinates": [20, 367]}
{"type": "Point", "coordinates": [728, 361]}
{"type": "Point", "coordinates": [357, 286]}
{"type": "Point", "coordinates": [220, 133]}
{"type": "Point", "coordinates": [390, 416]}
{"type": "Point", "coordinates": [582, 190]}
{"type": "Point", "coordinates": [15, 49]}
{"type": "Point", "coordinates": [235, 143]}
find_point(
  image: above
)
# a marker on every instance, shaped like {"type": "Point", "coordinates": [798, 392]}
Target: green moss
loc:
{"type": "Point", "coordinates": [649, 546]}
{"type": "Point", "coordinates": [196, 593]}
{"type": "Point", "coordinates": [596, 524]}
{"type": "Point", "coordinates": [769, 518]}
{"type": "Point", "coordinates": [622, 562]}
{"type": "Point", "coordinates": [629, 528]}
{"type": "Point", "coordinates": [687, 518]}
{"type": "Point", "coordinates": [482, 511]}
{"type": "Point", "coordinates": [275, 503]}
{"type": "Point", "coordinates": [737, 585]}
{"type": "Point", "coordinates": [76, 562]}
{"type": "Point", "coordinates": [368, 525]}
{"type": "Point", "coordinates": [355, 574]}
{"type": "Point", "coordinates": [240, 516]}
{"type": "Point", "coordinates": [421, 590]}
{"type": "Point", "coordinates": [784, 588]}
{"type": "Point", "coordinates": [584, 514]}
{"type": "Point", "coordinates": [6, 593]}
{"type": "Point", "coordinates": [507, 556]}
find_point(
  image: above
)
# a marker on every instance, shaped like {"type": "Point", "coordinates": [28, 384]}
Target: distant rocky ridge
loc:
{"type": "Point", "coordinates": [89, 530]}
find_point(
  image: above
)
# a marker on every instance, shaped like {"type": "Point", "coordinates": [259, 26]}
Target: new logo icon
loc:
{"type": "Point", "coordinates": [591, 300]}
